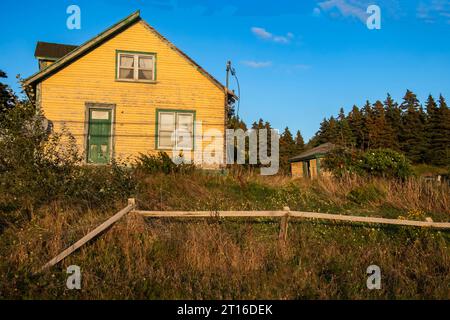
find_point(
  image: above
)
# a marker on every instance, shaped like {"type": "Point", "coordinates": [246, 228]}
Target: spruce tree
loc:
{"type": "Point", "coordinates": [356, 122]}
{"type": "Point", "coordinates": [7, 97]}
{"type": "Point", "coordinates": [287, 149]}
{"type": "Point", "coordinates": [440, 144]}
{"type": "Point", "coordinates": [380, 133]}
{"type": "Point", "coordinates": [299, 143]}
{"type": "Point", "coordinates": [322, 135]}
{"type": "Point", "coordinates": [432, 129]}
{"type": "Point", "coordinates": [393, 118]}
{"type": "Point", "coordinates": [367, 114]}
{"type": "Point", "coordinates": [412, 134]}
{"type": "Point", "coordinates": [344, 132]}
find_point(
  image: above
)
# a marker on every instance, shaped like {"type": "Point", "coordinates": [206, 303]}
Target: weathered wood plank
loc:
{"type": "Point", "coordinates": [206, 214]}
{"type": "Point", "coordinates": [314, 215]}
{"type": "Point", "coordinates": [294, 214]}
{"type": "Point", "coordinates": [105, 225]}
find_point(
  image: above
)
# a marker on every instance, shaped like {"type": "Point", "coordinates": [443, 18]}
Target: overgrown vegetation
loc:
{"type": "Point", "coordinates": [38, 168]}
{"type": "Point", "coordinates": [384, 163]}
{"type": "Point", "coordinates": [48, 201]}
{"type": "Point", "coordinates": [237, 258]}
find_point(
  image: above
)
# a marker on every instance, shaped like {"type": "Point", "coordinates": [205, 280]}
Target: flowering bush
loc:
{"type": "Point", "coordinates": [385, 163]}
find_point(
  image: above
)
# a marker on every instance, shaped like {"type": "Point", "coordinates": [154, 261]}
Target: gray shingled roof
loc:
{"type": "Point", "coordinates": [52, 50]}
{"type": "Point", "coordinates": [311, 153]}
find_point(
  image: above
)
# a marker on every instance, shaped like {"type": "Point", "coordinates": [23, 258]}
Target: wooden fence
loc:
{"type": "Point", "coordinates": [284, 214]}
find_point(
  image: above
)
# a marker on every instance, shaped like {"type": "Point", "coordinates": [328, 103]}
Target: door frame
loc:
{"type": "Point", "coordinates": [87, 116]}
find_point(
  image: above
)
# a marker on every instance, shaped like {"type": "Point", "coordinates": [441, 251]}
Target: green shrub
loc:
{"type": "Point", "coordinates": [386, 163]}
{"type": "Point", "coordinates": [38, 167]}
{"type": "Point", "coordinates": [161, 162]}
{"type": "Point", "coordinates": [34, 166]}
{"type": "Point", "coordinates": [343, 161]}
{"type": "Point", "coordinates": [100, 186]}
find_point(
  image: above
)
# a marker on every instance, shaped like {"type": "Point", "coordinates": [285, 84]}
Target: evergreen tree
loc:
{"type": "Point", "coordinates": [439, 147]}
{"type": "Point", "coordinates": [412, 134]}
{"type": "Point", "coordinates": [261, 124]}
{"type": "Point", "coordinates": [393, 116]}
{"type": "Point", "coordinates": [431, 126]}
{"type": "Point", "coordinates": [287, 149]}
{"type": "Point", "coordinates": [422, 135]}
{"type": "Point", "coordinates": [344, 132]}
{"type": "Point", "coordinates": [332, 134]}
{"type": "Point", "coordinates": [321, 135]}
{"type": "Point", "coordinates": [380, 133]}
{"type": "Point", "coordinates": [367, 116]}
{"type": "Point", "coordinates": [299, 143]}
{"type": "Point", "coordinates": [236, 123]}
{"type": "Point", "coordinates": [356, 122]}
{"type": "Point", "coordinates": [7, 97]}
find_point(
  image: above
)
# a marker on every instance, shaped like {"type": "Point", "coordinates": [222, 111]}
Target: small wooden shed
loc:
{"type": "Point", "coordinates": [307, 164]}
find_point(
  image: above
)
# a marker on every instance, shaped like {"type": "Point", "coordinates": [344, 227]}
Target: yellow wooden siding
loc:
{"type": "Point", "coordinates": [313, 168]}
{"type": "Point", "coordinates": [92, 78]}
{"type": "Point", "coordinates": [297, 169]}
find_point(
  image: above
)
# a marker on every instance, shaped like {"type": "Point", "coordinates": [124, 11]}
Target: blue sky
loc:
{"type": "Point", "coordinates": [297, 61]}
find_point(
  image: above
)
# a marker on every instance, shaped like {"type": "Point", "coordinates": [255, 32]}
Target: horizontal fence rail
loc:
{"type": "Point", "coordinates": [284, 214]}
{"type": "Point", "coordinates": [292, 214]}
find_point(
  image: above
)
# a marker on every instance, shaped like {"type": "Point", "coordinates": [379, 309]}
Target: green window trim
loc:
{"type": "Point", "coordinates": [175, 111]}
{"type": "Point", "coordinates": [155, 63]}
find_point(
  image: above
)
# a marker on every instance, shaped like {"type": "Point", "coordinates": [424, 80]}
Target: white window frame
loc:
{"type": "Point", "coordinates": [175, 115]}
{"type": "Point", "coordinates": [136, 68]}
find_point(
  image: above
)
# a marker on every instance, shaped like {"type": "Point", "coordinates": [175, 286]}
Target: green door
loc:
{"type": "Point", "coordinates": [99, 136]}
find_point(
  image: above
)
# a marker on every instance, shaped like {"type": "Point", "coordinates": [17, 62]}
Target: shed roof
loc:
{"type": "Point", "coordinates": [314, 152]}
{"type": "Point", "coordinates": [52, 50]}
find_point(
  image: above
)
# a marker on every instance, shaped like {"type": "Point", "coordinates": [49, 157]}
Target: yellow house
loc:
{"type": "Point", "coordinates": [127, 91]}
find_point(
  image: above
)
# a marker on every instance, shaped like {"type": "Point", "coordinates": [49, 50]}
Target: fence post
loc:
{"type": "Point", "coordinates": [284, 223]}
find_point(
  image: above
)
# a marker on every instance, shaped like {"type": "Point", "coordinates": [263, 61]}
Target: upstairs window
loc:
{"type": "Point", "coordinates": [136, 66]}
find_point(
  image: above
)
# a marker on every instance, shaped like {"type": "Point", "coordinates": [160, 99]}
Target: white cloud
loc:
{"type": "Point", "coordinates": [266, 35]}
{"type": "Point", "coordinates": [344, 8]}
{"type": "Point", "coordinates": [433, 11]}
{"type": "Point", "coordinates": [257, 64]}
{"type": "Point", "coordinates": [261, 33]}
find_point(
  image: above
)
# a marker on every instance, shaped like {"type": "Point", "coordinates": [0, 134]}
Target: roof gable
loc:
{"type": "Point", "coordinates": [102, 37]}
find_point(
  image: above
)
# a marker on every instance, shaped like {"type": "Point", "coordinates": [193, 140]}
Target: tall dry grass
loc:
{"type": "Point", "coordinates": [222, 259]}
{"type": "Point", "coordinates": [236, 259]}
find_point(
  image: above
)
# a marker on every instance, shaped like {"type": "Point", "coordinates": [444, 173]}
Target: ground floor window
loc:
{"type": "Point", "coordinates": [175, 129]}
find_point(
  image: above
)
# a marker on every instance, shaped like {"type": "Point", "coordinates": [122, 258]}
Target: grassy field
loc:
{"type": "Point", "coordinates": [236, 259]}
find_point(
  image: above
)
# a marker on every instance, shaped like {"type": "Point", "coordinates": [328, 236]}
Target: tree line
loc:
{"type": "Point", "coordinates": [289, 146]}
{"type": "Point", "coordinates": [421, 133]}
